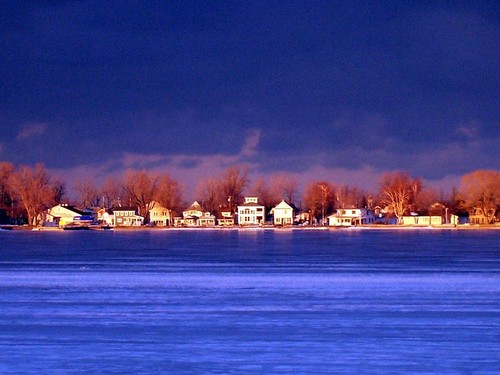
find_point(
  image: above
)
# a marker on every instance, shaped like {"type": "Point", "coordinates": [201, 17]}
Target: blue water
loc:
{"type": "Point", "coordinates": [250, 302]}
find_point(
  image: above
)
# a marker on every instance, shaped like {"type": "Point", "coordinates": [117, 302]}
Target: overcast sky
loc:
{"type": "Point", "coordinates": [331, 90]}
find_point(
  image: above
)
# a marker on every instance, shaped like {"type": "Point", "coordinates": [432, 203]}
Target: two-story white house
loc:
{"type": "Point", "coordinates": [346, 217]}
{"type": "Point", "coordinates": [226, 217]}
{"type": "Point", "coordinates": [251, 212]}
{"type": "Point", "coordinates": [127, 217]}
{"type": "Point", "coordinates": [195, 216]}
{"type": "Point", "coordinates": [283, 214]}
{"type": "Point", "coordinates": [159, 215]}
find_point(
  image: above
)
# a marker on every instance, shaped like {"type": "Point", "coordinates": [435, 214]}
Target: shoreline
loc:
{"type": "Point", "coordinates": [268, 228]}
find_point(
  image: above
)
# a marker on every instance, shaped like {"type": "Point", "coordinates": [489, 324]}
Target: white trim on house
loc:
{"type": "Point", "coordinates": [282, 214]}
{"type": "Point", "coordinates": [63, 214]}
{"type": "Point", "coordinates": [346, 217]}
{"type": "Point", "coordinates": [421, 220]}
{"type": "Point", "coordinates": [127, 217]}
{"type": "Point", "coordinates": [251, 212]}
{"type": "Point", "coordinates": [160, 216]}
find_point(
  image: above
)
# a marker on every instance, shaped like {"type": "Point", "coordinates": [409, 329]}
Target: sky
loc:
{"type": "Point", "coordinates": [342, 91]}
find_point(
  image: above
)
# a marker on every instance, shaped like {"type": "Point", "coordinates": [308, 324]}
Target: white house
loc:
{"type": "Point", "coordinates": [106, 217]}
{"type": "Point", "coordinates": [422, 220]}
{"type": "Point", "coordinates": [195, 216]}
{"type": "Point", "coordinates": [351, 216]}
{"type": "Point", "coordinates": [159, 215]}
{"type": "Point", "coordinates": [251, 212]}
{"type": "Point", "coordinates": [282, 214]}
{"type": "Point", "coordinates": [226, 217]}
{"type": "Point", "coordinates": [64, 214]}
{"type": "Point", "coordinates": [190, 215]}
{"type": "Point", "coordinates": [206, 220]}
{"type": "Point", "coordinates": [127, 217]}
{"type": "Point", "coordinates": [193, 210]}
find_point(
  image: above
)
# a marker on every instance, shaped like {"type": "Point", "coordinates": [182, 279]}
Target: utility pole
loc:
{"type": "Point", "coordinates": [323, 190]}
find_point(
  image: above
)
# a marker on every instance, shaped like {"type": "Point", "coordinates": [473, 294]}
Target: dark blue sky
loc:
{"type": "Point", "coordinates": [331, 89]}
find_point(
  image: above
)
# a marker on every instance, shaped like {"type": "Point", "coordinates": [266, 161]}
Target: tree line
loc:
{"type": "Point", "coordinates": [27, 191]}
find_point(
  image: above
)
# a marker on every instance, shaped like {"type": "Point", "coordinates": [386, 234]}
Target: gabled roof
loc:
{"type": "Point", "coordinates": [194, 207]}
{"type": "Point", "coordinates": [283, 204]}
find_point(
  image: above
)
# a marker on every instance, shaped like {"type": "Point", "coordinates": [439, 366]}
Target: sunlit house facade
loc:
{"type": "Point", "coordinates": [251, 212]}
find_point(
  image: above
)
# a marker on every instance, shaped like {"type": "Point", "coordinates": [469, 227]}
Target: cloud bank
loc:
{"type": "Point", "coordinates": [31, 130]}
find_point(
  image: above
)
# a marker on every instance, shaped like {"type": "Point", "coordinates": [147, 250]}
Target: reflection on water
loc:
{"type": "Point", "coordinates": [250, 302]}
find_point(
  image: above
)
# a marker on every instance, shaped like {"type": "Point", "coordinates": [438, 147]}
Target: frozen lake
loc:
{"type": "Point", "coordinates": [250, 302]}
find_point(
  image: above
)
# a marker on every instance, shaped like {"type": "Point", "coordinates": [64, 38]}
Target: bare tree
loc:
{"type": "Point", "coordinates": [481, 189]}
{"type": "Point", "coordinates": [168, 193]}
{"type": "Point", "coordinates": [285, 186]}
{"type": "Point", "coordinates": [210, 195]}
{"type": "Point", "coordinates": [346, 196]}
{"type": "Point", "coordinates": [140, 188]}
{"type": "Point", "coordinates": [32, 187]}
{"type": "Point", "coordinates": [268, 196]}
{"type": "Point", "coordinates": [57, 191]}
{"type": "Point", "coordinates": [112, 193]}
{"type": "Point", "coordinates": [6, 198]}
{"type": "Point", "coordinates": [88, 194]}
{"type": "Point", "coordinates": [319, 197]}
{"type": "Point", "coordinates": [398, 189]}
{"type": "Point", "coordinates": [423, 201]}
{"type": "Point", "coordinates": [233, 183]}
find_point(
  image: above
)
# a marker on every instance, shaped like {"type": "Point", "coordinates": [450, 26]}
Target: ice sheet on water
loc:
{"type": "Point", "coordinates": [255, 303]}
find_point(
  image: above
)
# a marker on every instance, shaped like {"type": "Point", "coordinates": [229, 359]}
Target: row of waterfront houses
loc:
{"type": "Point", "coordinates": [249, 213]}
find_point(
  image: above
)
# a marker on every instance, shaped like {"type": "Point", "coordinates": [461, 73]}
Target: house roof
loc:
{"type": "Point", "coordinates": [124, 208]}
{"type": "Point", "coordinates": [72, 209]}
{"type": "Point", "coordinates": [283, 204]}
{"type": "Point", "coordinates": [222, 217]}
{"type": "Point", "coordinates": [348, 212]}
{"type": "Point", "coordinates": [250, 204]}
{"type": "Point", "coordinates": [209, 217]}
{"type": "Point", "coordinates": [194, 207]}
{"type": "Point", "coordinates": [225, 208]}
